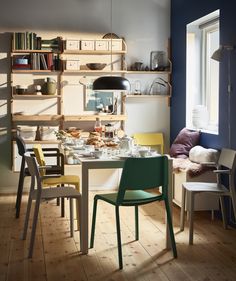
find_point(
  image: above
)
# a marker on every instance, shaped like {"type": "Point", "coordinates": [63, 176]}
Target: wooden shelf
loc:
{"type": "Point", "coordinates": [39, 71]}
{"type": "Point", "coordinates": [92, 52]}
{"type": "Point", "coordinates": [41, 142]}
{"type": "Point", "coordinates": [148, 72]}
{"type": "Point", "coordinates": [34, 51]}
{"type": "Point", "coordinates": [34, 97]}
{"type": "Point", "coordinates": [33, 118]}
{"type": "Point", "coordinates": [92, 72]}
{"type": "Point", "coordinates": [71, 118]}
{"type": "Point", "coordinates": [147, 96]}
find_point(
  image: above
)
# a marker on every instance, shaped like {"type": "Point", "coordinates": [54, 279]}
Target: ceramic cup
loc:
{"type": "Point", "coordinates": [143, 152]}
{"type": "Point", "coordinates": [97, 154]}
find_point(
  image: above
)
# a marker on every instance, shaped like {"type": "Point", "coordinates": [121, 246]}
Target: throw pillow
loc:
{"type": "Point", "coordinates": [185, 140]}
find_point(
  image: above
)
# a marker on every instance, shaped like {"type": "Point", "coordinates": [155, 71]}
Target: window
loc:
{"type": "Point", "coordinates": [202, 74]}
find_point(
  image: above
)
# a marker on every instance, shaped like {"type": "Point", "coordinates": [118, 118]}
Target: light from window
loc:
{"type": "Point", "coordinates": [202, 74]}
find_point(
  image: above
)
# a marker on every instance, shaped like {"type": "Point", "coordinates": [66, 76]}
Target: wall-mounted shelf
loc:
{"type": "Point", "coordinates": [70, 118]}
{"type": "Point", "coordinates": [92, 72]}
{"type": "Point", "coordinates": [34, 51]}
{"type": "Point", "coordinates": [33, 118]}
{"type": "Point", "coordinates": [147, 96]}
{"type": "Point", "coordinates": [92, 52]}
{"type": "Point", "coordinates": [35, 71]}
{"type": "Point", "coordinates": [148, 72]}
{"type": "Point", "coordinates": [35, 97]}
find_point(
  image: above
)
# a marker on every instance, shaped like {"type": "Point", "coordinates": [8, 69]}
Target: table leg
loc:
{"type": "Point", "coordinates": [170, 187]}
{"type": "Point", "coordinates": [84, 207]}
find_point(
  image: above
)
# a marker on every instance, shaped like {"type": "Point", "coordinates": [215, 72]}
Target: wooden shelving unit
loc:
{"type": "Point", "coordinates": [35, 118]}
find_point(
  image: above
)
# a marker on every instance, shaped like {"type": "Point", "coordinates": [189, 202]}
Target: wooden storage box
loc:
{"type": "Point", "coordinates": [101, 45]}
{"type": "Point", "coordinates": [87, 45]}
{"type": "Point", "coordinates": [72, 44]}
{"type": "Point", "coordinates": [72, 65]}
{"type": "Point", "coordinates": [116, 44]}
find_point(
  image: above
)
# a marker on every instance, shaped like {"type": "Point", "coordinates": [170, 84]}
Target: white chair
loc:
{"type": "Point", "coordinates": [40, 194]}
{"type": "Point", "coordinates": [226, 165]}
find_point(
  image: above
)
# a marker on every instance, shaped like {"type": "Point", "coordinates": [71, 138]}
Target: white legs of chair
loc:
{"type": "Point", "coordinates": [191, 218]}
{"type": "Point", "coordinates": [182, 214]}
{"type": "Point", "coordinates": [223, 212]}
{"type": "Point", "coordinates": [191, 214]}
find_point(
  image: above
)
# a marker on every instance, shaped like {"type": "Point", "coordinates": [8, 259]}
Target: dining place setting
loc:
{"type": "Point", "coordinates": [96, 146]}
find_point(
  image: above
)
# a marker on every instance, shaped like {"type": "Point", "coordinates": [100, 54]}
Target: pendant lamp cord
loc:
{"type": "Point", "coordinates": [229, 97]}
{"type": "Point", "coordinates": [111, 35]}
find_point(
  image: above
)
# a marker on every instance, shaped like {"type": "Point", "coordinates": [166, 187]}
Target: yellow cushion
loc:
{"type": "Point", "coordinates": [65, 179]}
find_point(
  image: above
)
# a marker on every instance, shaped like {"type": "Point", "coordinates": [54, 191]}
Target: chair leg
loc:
{"type": "Point", "coordinates": [27, 217]}
{"type": "Point", "coordinates": [77, 214]}
{"type": "Point", "coordinates": [26, 223]}
{"type": "Point", "coordinates": [136, 223]}
{"type": "Point", "coordinates": [191, 218]}
{"type": "Point", "coordinates": [58, 201]}
{"type": "Point", "coordinates": [119, 237]}
{"type": "Point", "coordinates": [34, 225]}
{"type": "Point", "coordinates": [20, 188]}
{"type": "Point", "coordinates": [170, 226]}
{"type": "Point", "coordinates": [182, 214]}
{"type": "Point", "coordinates": [223, 212]}
{"type": "Point", "coordinates": [71, 217]}
{"type": "Point", "coordinates": [233, 199]}
{"type": "Point", "coordinates": [62, 207]}
{"type": "Point", "coordinates": [93, 222]}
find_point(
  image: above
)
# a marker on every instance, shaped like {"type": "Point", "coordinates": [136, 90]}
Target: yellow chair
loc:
{"type": "Point", "coordinates": [154, 140]}
{"type": "Point", "coordinates": [55, 180]}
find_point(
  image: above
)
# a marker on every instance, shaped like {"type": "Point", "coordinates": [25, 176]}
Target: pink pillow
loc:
{"type": "Point", "coordinates": [185, 140]}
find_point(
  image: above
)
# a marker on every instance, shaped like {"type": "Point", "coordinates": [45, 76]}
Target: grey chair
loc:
{"type": "Point", "coordinates": [58, 168]}
{"type": "Point", "coordinates": [226, 166]}
{"type": "Point", "coordinates": [40, 194]}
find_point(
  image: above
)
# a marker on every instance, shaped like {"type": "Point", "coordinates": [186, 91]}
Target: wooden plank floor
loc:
{"type": "Point", "coordinates": [56, 255]}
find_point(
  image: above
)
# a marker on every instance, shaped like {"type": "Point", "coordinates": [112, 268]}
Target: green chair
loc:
{"type": "Point", "coordinates": [138, 175]}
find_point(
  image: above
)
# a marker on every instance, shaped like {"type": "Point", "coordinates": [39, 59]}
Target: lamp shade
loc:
{"type": "Point", "coordinates": [217, 55]}
{"type": "Point", "coordinates": [115, 83]}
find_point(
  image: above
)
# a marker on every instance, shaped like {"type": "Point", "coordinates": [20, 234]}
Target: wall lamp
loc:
{"type": "Point", "coordinates": [218, 56]}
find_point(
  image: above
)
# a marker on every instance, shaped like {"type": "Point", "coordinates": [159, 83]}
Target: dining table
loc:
{"type": "Point", "coordinates": [89, 163]}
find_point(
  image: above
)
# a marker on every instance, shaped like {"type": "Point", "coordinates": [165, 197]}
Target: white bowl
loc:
{"type": "Point", "coordinates": [97, 154]}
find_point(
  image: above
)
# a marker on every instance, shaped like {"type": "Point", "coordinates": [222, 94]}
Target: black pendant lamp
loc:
{"type": "Point", "coordinates": [111, 83]}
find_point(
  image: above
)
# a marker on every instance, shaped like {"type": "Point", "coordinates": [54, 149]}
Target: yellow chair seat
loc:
{"type": "Point", "coordinates": [64, 179]}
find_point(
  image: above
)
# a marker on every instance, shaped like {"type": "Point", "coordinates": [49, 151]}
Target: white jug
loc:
{"type": "Point", "coordinates": [126, 143]}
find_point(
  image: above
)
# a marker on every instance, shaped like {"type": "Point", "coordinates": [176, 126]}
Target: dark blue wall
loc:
{"type": "Point", "coordinates": [182, 13]}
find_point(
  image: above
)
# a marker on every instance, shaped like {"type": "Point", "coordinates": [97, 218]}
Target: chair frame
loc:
{"type": "Point", "coordinates": [49, 152]}
{"type": "Point", "coordinates": [40, 194]}
{"type": "Point", "coordinates": [227, 160]}
{"type": "Point", "coordinates": [138, 175]}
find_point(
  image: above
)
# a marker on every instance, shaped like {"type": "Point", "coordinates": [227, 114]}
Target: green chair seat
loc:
{"type": "Point", "coordinates": [131, 198]}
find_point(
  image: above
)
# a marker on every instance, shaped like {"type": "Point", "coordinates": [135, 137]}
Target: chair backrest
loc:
{"type": "Point", "coordinates": [151, 139]}
{"type": "Point", "coordinates": [144, 173]}
{"type": "Point", "coordinates": [40, 158]}
{"type": "Point", "coordinates": [20, 145]}
{"type": "Point", "coordinates": [228, 159]}
{"type": "Point", "coordinates": [33, 169]}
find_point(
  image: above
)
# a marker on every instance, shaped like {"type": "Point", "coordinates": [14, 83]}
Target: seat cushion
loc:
{"type": "Point", "coordinates": [65, 179]}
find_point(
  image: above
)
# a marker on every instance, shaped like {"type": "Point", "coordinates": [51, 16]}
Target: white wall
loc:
{"type": "Point", "coordinates": [145, 25]}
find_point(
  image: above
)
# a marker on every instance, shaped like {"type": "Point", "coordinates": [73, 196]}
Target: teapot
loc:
{"type": "Point", "coordinates": [126, 143]}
